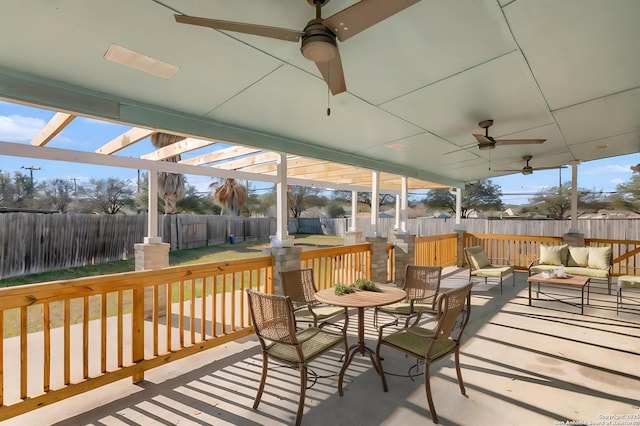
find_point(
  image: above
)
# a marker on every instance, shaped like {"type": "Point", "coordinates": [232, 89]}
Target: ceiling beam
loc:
{"type": "Point", "coordinates": [52, 128]}
{"type": "Point", "coordinates": [124, 140]}
{"type": "Point", "coordinates": [221, 154]}
{"type": "Point", "coordinates": [180, 147]}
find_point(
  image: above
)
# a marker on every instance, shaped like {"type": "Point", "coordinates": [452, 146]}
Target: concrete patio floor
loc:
{"type": "Point", "coordinates": [526, 365]}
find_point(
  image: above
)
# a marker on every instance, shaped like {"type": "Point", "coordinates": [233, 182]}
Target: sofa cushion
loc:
{"type": "Point", "coordinates": [553, 255]}
{"type": "Point", "coordinates": [578, 256]}
{"type": "Point", "coordinates": [587, 272]}
{"type": "Point", "coordinates": [599, 257]}
{"type": "Point", "coordinates": [478, 258]}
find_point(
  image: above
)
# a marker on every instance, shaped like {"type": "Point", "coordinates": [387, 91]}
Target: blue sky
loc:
{"type": "Point", "coordinates": [20, 124]}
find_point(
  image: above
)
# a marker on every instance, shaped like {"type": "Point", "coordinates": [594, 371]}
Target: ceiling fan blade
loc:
{"type": "Point", "coordinates": [512, 171]}
{"type": "Point", "coordinates": [482, 139]}
{"type": "Point", "coordinates": [240, 27]}
{"type": "Point", "coordinates": [519, 141]}
{"type": "Point", "coordinates": [364, 14]}
{"type": "Point", "coordinates": [550, 168]}
{"type": "Point", "coordinates": [332, 73]}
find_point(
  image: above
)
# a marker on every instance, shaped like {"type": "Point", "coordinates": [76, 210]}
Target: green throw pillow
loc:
{"type": "Point", "coordinates": [578, 256]}
{"type": "Point", "coordinates": [553, 255]}
{"type": "Point", "coordinates": [480, 260]}
{"type": "Point", "coordinates": [599, 257]}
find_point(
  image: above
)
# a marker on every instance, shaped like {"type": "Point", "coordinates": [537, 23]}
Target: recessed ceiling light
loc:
{"type": "Point", "coordinates": [397, 146]}
{"type": "Point", "coordinates": [603, 146]}
{"type": "Point", "coordinates": [147, 64]}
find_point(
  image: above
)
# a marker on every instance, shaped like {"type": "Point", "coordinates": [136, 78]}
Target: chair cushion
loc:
{"type": "Point", "coordinates": [629, 281]}
{"type": "Point", "coordinates": [587, 272]}
{"type": "Point", "coordinates": [313, 342]}
{"type": "Point", "coordinates": [418, 345]}
{"type": "Point", "coordinates": [553, 255]}
{"type": "Point", "coordinates": [578, 256]}
{"type": "Point", "coordinates": [323, 312]}
{"type": "Point", "coordinates": [404, 308]}
{"type": "Point", "coordinates": [599, 257]}
{"type": "Point", "coordinates": [493, 271]}
{"type": "Point", "coordinates": [479, 259]}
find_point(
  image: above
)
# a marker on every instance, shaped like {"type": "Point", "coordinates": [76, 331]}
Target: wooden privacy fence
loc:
{"type": "Point", "coordinates": [63, 338]}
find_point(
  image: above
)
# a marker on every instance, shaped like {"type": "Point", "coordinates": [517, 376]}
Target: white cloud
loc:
{"type": "Point", "coordinates": [617, 181]}
{"type": "Point", "coordinates": [607, 168]}
{"type": "Point", "coordinates": [17, 128]}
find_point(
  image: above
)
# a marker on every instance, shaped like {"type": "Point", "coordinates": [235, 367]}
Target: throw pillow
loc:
{"type": "Point", "coordinates": [578, 256]}
{"type": "Point", "coordinates": [599, 257]}
{"type": "Point", "coordinates": [553, 255]}
{"type": "Point", "coordinates": [480, 260]}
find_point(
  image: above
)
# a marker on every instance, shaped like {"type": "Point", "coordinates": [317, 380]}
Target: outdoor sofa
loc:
{"type": "Point", "coordinates": [593, 262]}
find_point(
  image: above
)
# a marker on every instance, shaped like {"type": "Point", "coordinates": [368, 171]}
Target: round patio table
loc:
{"type": "Point", "coordinates": [360, 300]}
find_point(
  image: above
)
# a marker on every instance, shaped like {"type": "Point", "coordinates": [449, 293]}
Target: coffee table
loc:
{"type": "Point", "coordinates": [360, 300]}
{"type": "Point", "coordinates": [572, 281]}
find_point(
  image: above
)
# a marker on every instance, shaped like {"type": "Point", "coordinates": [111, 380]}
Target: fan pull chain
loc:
{"type": "Point", "coordinates": [328, 90]}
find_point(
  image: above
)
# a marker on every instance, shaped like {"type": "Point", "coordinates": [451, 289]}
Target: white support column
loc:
{"type": "Point", "coordinates": [404, 206]}
{"type": "Point", "coordinates": [375, 195]}
{"type": "Point", "coordinates": [458, 205]}
{"type": "Point", "coordinates": [281, 198]}
{"type": "Point", "coordinates": [574, 197]}
{"type": "Point", "coordinates": [354, 210]}
{"type": "Point", "coordinates": [152, 203]}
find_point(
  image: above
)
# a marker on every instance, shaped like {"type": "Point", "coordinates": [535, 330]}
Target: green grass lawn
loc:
{"type": "Point", "coordinates": [212, 253]}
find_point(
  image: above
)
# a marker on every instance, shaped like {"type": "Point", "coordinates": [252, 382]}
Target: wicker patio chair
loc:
{"type": "Point", "coordinates": [300, 286]}
{"type": "Point", "coordinates": [432, 344]}
{"type": "Point", "coordinates": [482, 266]}
{"type": "Point", "coordinates": [421, 283]}
{"type": "Point", "coordinates": [275, 326]}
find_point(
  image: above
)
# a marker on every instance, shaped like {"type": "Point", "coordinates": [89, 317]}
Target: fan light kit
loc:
{"type": "Point", "coordinates": [487, 142]}
{"type": "Point", "coordinates": [319, 36]}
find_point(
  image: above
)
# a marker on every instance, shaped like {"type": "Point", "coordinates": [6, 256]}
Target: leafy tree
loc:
{"type": "Point", "coordinates": [7, 189]}
{"type": "Point", "coordinates": [383, 199]}
{"type": "Point", "coordinates": [58, 194]}
{"type": "Point", "coordinates": [301, 198]}
{"type": "Point", "coordinates": [24, 191]}
{"type": "Point", "coordinates": [335, 209]}
{"type": "Point", "coordinates": [195, 202]}
{"type": "Point", "coordinates": [170, 185]}
{"type": "Point", "coordinates": [555, 201]}
{"type": "Point", "coordinates": [481, 196]}
{"type": "Point", "coordinates": [628, 195]}
{"type": "Point", "coordinates": [107, 195]}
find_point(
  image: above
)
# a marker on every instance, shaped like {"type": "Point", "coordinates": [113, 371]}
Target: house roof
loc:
{"type": "Point", "coordinates": [418, 84]}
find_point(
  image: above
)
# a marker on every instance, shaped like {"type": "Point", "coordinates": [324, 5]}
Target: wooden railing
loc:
{"type": "Point", "coordinates": [338, 264]}
{"type": "Point", "coordinates": [436, 250]}
{"type": "Point", "coordinates": [67, 337]}
{"type": "Point", "coordinates": [521, 250]}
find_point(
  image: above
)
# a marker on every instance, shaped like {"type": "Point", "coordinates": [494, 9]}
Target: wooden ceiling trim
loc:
{"type": "Point", "coordinates": [58, 122]}
{"type": "Point", "coordinates": [242, 163]}
{"type": "Point", "coordinates": [124, 140]}
{"type": "Point", "coordinates": [185, 145]}
{"type": "Point", "coordinates": [221, 154]}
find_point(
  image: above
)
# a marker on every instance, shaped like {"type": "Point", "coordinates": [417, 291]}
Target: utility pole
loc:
{"type": "Point", "coordinates": [31, 169]}
{"type": "Point", "coordinates": [75, 186]}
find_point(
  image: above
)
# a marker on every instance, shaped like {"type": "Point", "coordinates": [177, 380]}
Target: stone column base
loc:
{"type": "Point", "coordinates": [352, 237]}
{"type": "Point", "coordinates": [285, 259]}
{"type": "Point", "coordinates": [153, 256]}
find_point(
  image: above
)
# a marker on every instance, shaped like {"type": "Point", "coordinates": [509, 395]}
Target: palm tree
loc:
{"type": "Point", "coordinates": [229, 195]}
{"type": "Point", "coordinates": [170, 185]}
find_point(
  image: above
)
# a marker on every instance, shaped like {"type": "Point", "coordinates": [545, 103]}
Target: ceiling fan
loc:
{"type": "Point", "coordinates": [319, 36]}
{"type": "Point", "coordinates": [527, 169]}
{"type": "Point", "coordinates": [487, 142]}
